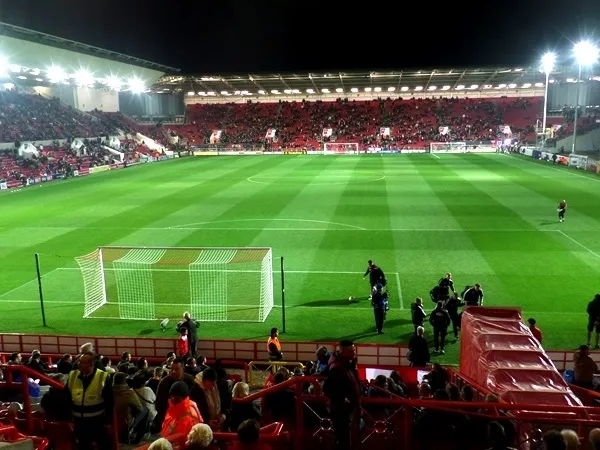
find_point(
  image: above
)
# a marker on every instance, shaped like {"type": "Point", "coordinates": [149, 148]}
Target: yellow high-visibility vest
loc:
{"type": "Point", "coordinates": [87, 402]}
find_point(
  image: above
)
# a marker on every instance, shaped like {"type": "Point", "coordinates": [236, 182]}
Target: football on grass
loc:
{"type": "Point", "coordinates": [350, 299]}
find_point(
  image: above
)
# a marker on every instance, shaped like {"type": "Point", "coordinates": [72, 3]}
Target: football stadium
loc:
{"type": "Point", "coordinates": [285, 212]}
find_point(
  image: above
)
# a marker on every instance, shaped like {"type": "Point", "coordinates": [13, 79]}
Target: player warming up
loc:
{"type": "Point", "coordinates": [562, 209]}
{"type": "Point", "coordinates": [376, 276]}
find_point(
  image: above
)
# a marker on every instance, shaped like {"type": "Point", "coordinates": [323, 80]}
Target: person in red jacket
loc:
{"type": "Point", "coordinates": [182, 413]}
{"type": "Point", "coordinates": [183, 346]}
{"type": "Point", "coordinates": [537, 333]}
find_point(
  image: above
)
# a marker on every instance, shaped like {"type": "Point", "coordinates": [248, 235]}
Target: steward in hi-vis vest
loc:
{"type": "Point", "coordinates": [91, 403]}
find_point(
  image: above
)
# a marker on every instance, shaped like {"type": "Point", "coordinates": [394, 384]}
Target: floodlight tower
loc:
{"type": "Point", "coordinates": [586, 54]}
{"type": "Point", "coordinates": [547, 66]}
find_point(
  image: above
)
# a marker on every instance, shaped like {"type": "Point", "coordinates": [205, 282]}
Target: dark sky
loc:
{"type": "Point", "coordinates": [220, 36]}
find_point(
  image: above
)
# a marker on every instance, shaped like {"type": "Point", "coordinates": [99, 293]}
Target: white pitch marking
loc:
{"type": "Point", "coordinates": [26, 283]}
{"type": "Point", "coordinates": [434, 155]}
{"type": "Point", "coordinates": [399, 291]}
{"type": "Point", "coordinates": [271, 220]}
{"type": "Point", "coordinates": [312, 183]}
{"type": "Point", "coordinates": [330, 272]}
{"type": "Point", "coordinates": [563, 170]}
{"type": "Point", "coordinates": [579, 243]}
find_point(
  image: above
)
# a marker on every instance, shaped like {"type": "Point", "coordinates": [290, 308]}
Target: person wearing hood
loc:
{"type": "Point", "coordinates": [182, 413]}
{"type": "Point", "coordinates": [206, 393]}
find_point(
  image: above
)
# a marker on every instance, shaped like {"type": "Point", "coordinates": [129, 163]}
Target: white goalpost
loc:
{"type": "Point", "coordinates": [448, 147]}
{"type": "Point", "coordinates": [340, 148]}
{"type": "Point", "coordinates": [147, 283]}
{"type": "Point", "coordinates": [578, 161]}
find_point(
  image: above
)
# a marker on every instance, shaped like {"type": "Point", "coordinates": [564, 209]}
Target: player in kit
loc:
{"type": "Point", "coordinates": [562, 209]}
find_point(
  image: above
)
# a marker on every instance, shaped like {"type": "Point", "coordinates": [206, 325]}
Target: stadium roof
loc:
{"type": "Point", "coordinates": [373, 81]}
{"type": "Point", "coordinates": [31, 58]}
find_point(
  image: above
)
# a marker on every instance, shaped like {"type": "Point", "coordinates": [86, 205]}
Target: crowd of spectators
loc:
{"type": "Point", "coordinates": [28, 117]}
{"type": "Point", "coordinates": [187, 396]}
{"type": "Point", "coordinates": [413, 122]}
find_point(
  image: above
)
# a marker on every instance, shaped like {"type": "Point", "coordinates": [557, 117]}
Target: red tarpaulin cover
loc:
{"type": "Point", "coordinates": [499, 353]}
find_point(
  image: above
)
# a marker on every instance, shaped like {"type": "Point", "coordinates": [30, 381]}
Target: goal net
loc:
{"type": "Point", "coordinates": [342, 148]}
{"type": "Point", "coordinates": [448, 147]}
{"type": "Point", "coordinates": [145, 283]}
{"type": "Point", "coordinates": [578, 161]}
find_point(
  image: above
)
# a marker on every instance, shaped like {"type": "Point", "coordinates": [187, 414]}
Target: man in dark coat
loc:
{"type": "Point", "coordinates": [192, 328]}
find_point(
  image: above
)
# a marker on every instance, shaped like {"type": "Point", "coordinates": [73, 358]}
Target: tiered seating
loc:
{"type": "Point", "coordinates": [32, 117]}
{"type": "Point", "coordinates": [414, 123]}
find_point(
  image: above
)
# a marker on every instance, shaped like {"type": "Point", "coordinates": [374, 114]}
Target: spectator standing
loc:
{"type": "Point", "coordinates": [242, 411]}
{"type": "Point", "coordinates": [162, 392]}
{"type": "Point", "coordinates": [213, 407]}
{"type": "Point", "coordinates": [584, 368]}
{"type": "Point", "coordinates": [419, 349]}
{"type": "Point", "coordinates": [192, 328]}
{"type": "Point", "coordinates": [537, 333]}
{"type": "Point", "coordinates": [56, 403]}
{"type": "Point", "coordinates": [129, 410]}
{"type": "Point", "coordinates": [343, 390]}
{"type": "Point", "coordinates": [92, 403]}
{"type": "Point", "coordinates": [248, 437]}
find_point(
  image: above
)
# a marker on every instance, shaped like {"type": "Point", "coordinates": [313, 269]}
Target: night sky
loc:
{"type": "Point", "coordinates": [221, 36]}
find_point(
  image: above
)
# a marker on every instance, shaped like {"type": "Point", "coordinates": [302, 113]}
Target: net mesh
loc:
{"type": "Point", "coordinates": [214, 284]}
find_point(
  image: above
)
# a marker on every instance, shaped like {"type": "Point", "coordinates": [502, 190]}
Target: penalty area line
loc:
{"type": "Point", "coordinates": [399, 287]}
{"type": "Point", "coordinates": [579, 244]}
{"type": "Point", "coordinates": [317, 272]}
{"type": "Point", "coordinates": [25, 284]}
{"type": "Point", "coordinates": [434, 155]}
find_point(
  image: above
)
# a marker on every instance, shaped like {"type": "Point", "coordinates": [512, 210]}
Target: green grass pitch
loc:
{"type": "Point", "coordinates": [486, 218]}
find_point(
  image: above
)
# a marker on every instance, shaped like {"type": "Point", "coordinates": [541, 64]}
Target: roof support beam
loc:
{"type": "Point", "coordinates": [430, 78]}
{"type": "Point", "coordinates": [283, 82]}
{"type": "Point", "coordinates": [251, 78]}
{"type": "Point", "coordinates": [399, 80]}
{"type": "Point", "coordinates": [205, 86]}
{"type": "Point", "coordinates": [310, 77]}
{"type": "Point", "coordinates": [459, 79]}
{"type": "Point", "coordinates": [342, 81]}
{"type": "Point", "coordinates": [227, 83]}
{"type": "Point", "coordinates": [491, 77]}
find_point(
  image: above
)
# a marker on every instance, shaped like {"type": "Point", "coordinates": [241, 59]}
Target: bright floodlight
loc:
{"type": "Point", "coordinates": [136, 85]}
{"type": "Point", "coordinates": [84, 78]}
{"type": "Point", "coordinates": [548, 62]}
{"type": "Point", "coordinates": [56, 74]}
{"type": "Point", "coordinates": [586, 53]}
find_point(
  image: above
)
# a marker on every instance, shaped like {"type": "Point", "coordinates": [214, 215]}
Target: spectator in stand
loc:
{"type": "Point", "coordinates": [15, 359]}
{"type": "Point", "coordinates": [248, 437]}
{"type": "Point", "coordinates": [157, 375]}
{"type": "Point", "coordinates": [160, 444]}
{"type": "Point", "coordinates": [35, 363]}
{"type": "Point", "coordinates": [571, 439]}
{"type": "Point", "coordinates": [418, 349]}
{"type": "Point", "coordinates": [279, 406]}
{"type": "Point", "coordinates": [182, 413]}
{"type": "Point", "coordinates": [170, 358]}
{"type": "Point", "coordinates": [554, 440]}
{"type": "Point", "coordinates": [343, 390]}
{"type": "Point", "coordinates": [199, 437]}
{"type": "Point", "coordinates": [183, 346]}
{"type": "Point", "coordinates": [425, 391]}
{"type": "Point", "coordinates": [201, 363]}
{"type": "Point", "coordinates": [242, 411]}
{"type": "Point", "coordinates": [437, 378]}
{"type": "Point", "coordinates": [537, 333]}
{"type": "Point", "coordinates": [593, 310]}
{"type": "Point", "coordinates": [191, 367]}
{"type": "Point", "coordinates": [453, 392]}
{"type": "Point", "coordinates": [323, 356]}
{"type": "Point", "coordinates": [65, 364]}
{"type": "Point", "coordinates": [497, 437]}
{"type": "Point", "coordinates": [192, 328]}
{"type": "Point", "coordinates": [467, 393]}
{"type": "Point", "coordinates": [396, 384]}
{"type": "Point", "coordinates": [90, 390]}
{"type": "Point", "coordinates": [418, 313]}
{"type": "Point", "coordinates": [105, 365]}
{"type": "Point", "coordinates": [142, 369]}
{"type": "Point", "coordinates": [274, 346]}
{"type": "Point", "coordinates": [162, 392]}
{"type": "Point", "coordinates": [146, 395]}
{"type": "Point", "coordinates": [129, 410]}
{"type": "Point", "coordinates": [207, 395]}
{"type": "Point", "coordinates": [56, 403]}
{"type": "Point", "coordinates": [584, 368]}
{"type": "Point", "coordinates": [595, 439]}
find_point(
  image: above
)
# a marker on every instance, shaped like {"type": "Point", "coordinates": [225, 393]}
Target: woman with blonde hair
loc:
{"type": "Point", "coordinates": [242, 411]}
{"type": "Point", "coordinates": [200, 436]}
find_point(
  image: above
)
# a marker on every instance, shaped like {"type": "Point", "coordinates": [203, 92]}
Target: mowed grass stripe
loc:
{"type": "Point", "coordinates": [553, 188]}
{"type": "Point", "coordinates": [365, 204]}
{"type": "Point", "coordinates": [60, 251]}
